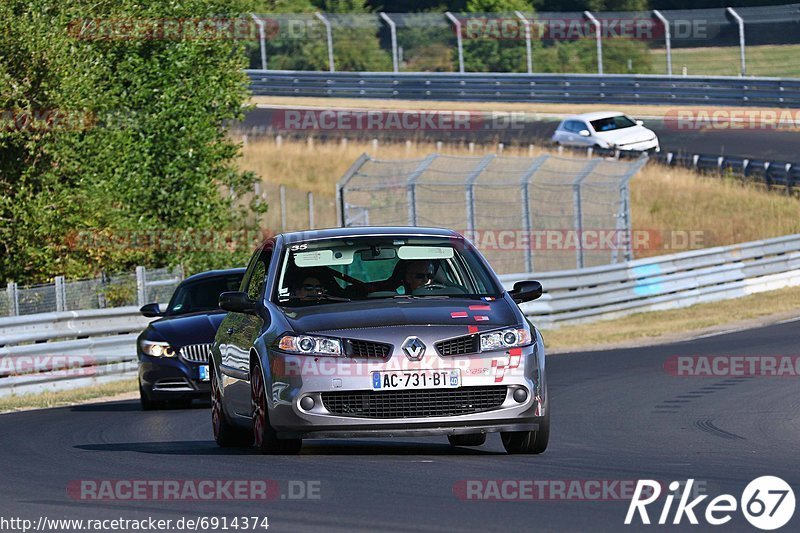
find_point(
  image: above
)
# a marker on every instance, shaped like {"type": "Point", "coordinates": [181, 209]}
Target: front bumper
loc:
{"type": "Point", "coordinates": [171, 378]}
{"type": "Point", "coordinates": [512, 370]}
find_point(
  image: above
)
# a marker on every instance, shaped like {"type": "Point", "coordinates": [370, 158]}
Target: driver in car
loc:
{"type": "Point", "coordinates": [417, 274]}
{"type": "Point", "coordinates": [309, 286]}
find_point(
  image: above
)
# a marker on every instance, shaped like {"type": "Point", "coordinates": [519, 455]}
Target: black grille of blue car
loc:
{"type": "Point", "coordinates": [421, 403]}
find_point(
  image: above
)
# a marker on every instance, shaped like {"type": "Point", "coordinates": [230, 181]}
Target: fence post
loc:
{"type": "Point", "coordinates": [528, 52]}
{"type": "Point", "coordinates": [625, 215]}
{"type": "Point", "coordinates": [598, 30]}
{"type": "Point", "coordinates": [667, 39]}
{"type": "Point", "coordinates": [141, 285]}
{"type": "Point", "coordinates": [459, 40]}
{"type": "Point", "coordinates": [341, 206]}
{"type": "Point", "coordinates": [13, 299]}
{"type": "Point", "coordinates": [470, 192]}
{"type": "Point", "coordinates": [310, 210]}
{"type": "Point", "coordinates": [527, 224]}
{"type": "Point", "coordinates": [60, 294]}
{"type": "Point", "coordinates": [282, 190]}
{"type": "Point", "coordinates": [257, 198]}
{"type": "Point", "coordinates": [411, 188]}
{"type": "Point", "coordinates": [393, 32]}
{"type": "Point", "coordinates": [740, 22]}
{"type": "Point", "coordinates": [576, 199]}
{"type": "Point", "coordinates": [329, 37]}
{"type": "Point", "coordinates": [262, 40]}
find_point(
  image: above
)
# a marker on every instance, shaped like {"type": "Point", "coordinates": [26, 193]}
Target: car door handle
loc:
{"type": "Point", "coordinates": [230, 331]}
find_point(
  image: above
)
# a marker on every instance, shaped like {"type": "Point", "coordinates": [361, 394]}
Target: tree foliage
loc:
{"type": "Point", "coordinates": [129, 141]}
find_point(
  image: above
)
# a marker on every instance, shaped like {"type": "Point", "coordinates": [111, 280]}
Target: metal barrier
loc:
{"type": "Point", "coordinates": [56, 351]}
{"type": "Point", "coordinates": [88, 347]}
{"type": "Point", "coordinates": [557, 88]}
{"type": "Point", "coordinates": [664, 282]}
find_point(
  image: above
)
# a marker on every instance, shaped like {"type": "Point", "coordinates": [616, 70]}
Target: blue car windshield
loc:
{"type": "Point", "coordinates": [202, 294]}
{"type": "Point", "coordinates": [346, 269]}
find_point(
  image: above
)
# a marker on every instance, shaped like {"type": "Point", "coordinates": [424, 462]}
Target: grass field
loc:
{"type": "Point", "coordinates": [125, 387]}
{"type": "Point", "coordinates": [662, 199]}
{"type": "Point", "coordinates": [781, 61]}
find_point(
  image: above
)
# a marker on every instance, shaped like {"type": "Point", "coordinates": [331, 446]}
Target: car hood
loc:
{"type": "Point", "coordinates": [193, 328]}
{"type": "Point", "coordinates": [627, 135]}
{"type": "Point", "coordinates": [393, 312]}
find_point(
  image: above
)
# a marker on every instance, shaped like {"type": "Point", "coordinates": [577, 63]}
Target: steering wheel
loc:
{"type": "Point", "coordinates": [430, 287]}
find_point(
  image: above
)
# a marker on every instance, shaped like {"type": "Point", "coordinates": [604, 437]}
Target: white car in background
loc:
{"type": "Point", "coordinates": [606, 129]}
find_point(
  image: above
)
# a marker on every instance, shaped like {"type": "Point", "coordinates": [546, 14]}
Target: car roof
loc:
{"type": "Point", "coordinates": [214, 274]}
{"type": "Point", "coordinates": [367, 231]}
{"type": "Point", "coordinates": [595, 115]}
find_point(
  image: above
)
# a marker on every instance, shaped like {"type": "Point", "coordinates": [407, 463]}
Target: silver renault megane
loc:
{"type": "Point", "coordinates": [366, 332]}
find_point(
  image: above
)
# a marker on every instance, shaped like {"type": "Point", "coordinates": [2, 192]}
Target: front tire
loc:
{"type": "Point", "coordinates": [226, 435]}
{"type": "Point", "coordinates": [473, 439]}
{"type": "Point", "coordinates": [266, 438]}
{"type": "Point", "coordinates": [528, 442]}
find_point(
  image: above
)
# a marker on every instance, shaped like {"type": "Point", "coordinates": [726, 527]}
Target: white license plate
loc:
{"type": "Point", "coordinates": [203, 370]}
{"type": "Point", "coordinates": [416, 379]}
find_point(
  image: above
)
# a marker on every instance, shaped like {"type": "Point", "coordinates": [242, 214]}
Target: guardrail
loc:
{"type": "Point", "coordinates": [87, 347]}
{"type": "Point", "coordinates": [56, 351]}
{"type": "Point", "coordinates": [663, 282]}
{"type": "Point", "coordinates": [557, 88]}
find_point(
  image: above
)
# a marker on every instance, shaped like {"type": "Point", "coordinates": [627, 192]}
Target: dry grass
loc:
{"type": "Point", "coordinates": [527, 107]}
{"type": "Point", "coordinates": [644, 326]}
{"type": "Point", "coordinates": [67, 397]}
{"type": "Point", "coordinates": [666, 201]}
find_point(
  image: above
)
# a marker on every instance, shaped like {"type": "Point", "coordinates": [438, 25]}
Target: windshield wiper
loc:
{"type": "Point", "coordinates": [420, 296]}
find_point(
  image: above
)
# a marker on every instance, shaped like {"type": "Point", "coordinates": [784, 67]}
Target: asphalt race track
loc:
{"type": "Point", "coordinates": [763, 144]}
{"type": "Point", "coordinates": [617, 415]}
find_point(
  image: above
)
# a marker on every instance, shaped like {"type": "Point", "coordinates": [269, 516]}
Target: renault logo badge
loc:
{"type": "Point", "coordinates": [414, 348]}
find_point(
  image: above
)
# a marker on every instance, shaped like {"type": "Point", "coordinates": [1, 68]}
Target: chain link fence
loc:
{"type": "Point", "coordinates": [759, 41]}
{"type": "Point", "coordinates": [131, 288]}
{"type": "Point", "coordinates": [524, 213]}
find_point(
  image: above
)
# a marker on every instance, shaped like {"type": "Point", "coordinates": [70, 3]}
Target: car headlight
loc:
{"type": "Point", "coordinates": [310, 345]}
{"type": "Point", "coordinates": [157, 349]}
{"type": "Point", "coordinates": [507, 338]}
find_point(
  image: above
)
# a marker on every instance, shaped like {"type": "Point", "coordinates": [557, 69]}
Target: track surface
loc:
{"type": "Point", "coordinates": [617, 415]}
{"type": "Point", "coordinates": [766, 144]}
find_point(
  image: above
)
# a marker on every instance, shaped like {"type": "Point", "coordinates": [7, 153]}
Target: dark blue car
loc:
{"type": "Point", "coordinates": [173, 350]}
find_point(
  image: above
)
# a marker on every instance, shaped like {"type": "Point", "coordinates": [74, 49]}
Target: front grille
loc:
{"type": "Point", "coordinates": [459, 345]}
{"type": "Point", "coordinates": [196, 353]}
{"type": "Point", "coordinates": [359, 348]}
{"type": "Point", "coordinates": [414, 403]}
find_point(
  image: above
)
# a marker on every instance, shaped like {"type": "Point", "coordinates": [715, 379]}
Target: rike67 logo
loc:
{"type": "Point", "coordinates": [767, 503]}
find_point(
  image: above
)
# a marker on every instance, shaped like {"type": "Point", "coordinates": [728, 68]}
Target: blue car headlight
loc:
{"type": "Point", "coordinates": [156, 348]}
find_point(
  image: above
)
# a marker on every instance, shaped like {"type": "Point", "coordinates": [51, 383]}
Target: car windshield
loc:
{"type": "Point", "coordinates": [202, 294]}
{"type": "Point", "coordinates": [348, 269]}
{"type": "Point", "coordinates": [612, 123]}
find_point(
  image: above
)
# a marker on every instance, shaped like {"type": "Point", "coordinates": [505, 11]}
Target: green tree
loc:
{"type": "Point", "coordinates": [143, 147]}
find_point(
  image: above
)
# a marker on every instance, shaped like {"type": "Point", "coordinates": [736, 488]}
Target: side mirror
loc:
{"type": "Point", "coordinates": [151, 310]}
{"type": "Point", "coordinates": [237, 302]}
{"type": "Point", "coordinates": [584, 133]}
{"type": "Point", "coordinates": [640, 122]}
{"type": "Point", "coordinates": [525, 291]}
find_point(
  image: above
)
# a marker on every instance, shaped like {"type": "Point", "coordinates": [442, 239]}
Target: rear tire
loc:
{"type": "Point", "coordinates": [226, 435]}
{"type": "Point", "coordinates": [266, 438]}
{"type": "Point", "coordinates": [529, 442]}
{"type": "Point", "coordinates": [472, 439]}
